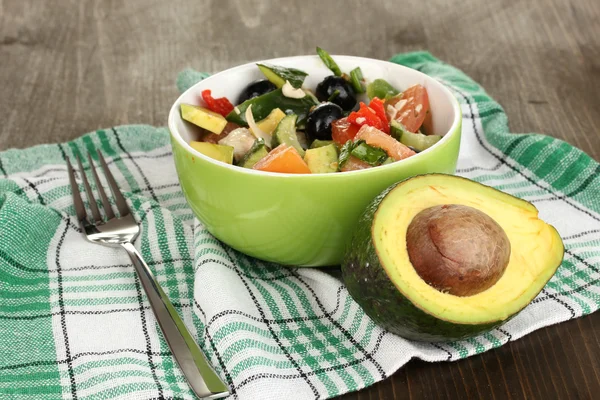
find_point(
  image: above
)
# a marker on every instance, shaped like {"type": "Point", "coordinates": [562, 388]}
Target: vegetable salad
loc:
{"type": "Point", "coordinates": [345, 124]}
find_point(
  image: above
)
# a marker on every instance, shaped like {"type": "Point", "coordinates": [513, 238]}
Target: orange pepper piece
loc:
{"type": "Point", "coordinates": [284, 159]}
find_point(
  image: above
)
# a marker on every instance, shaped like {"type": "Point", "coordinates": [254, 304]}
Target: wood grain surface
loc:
{"type": "Point", "coordinates": [68, 67]}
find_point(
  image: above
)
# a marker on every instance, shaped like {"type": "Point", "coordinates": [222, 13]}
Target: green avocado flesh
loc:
{"type": "Point", "coordinates": [380, 277]}
{"type": "Point", "coordinates": [322, 160]}
{"type": "Point", "coordinates": [203, 117]}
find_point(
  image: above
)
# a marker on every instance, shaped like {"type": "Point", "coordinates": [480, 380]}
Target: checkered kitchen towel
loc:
{"type": "Point", "coordinates": [74, 322]}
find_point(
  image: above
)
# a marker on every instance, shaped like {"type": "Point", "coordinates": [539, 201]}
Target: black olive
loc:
{"type": "Point", "coordinates": [318, 122]}
{"type": "Point", "coordinates": [336, 90]}
{"type": "Point", "coordinates": [255, 89]}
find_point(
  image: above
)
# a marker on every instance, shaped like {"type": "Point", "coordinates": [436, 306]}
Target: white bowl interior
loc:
{"type": "Point", "coordinates": [229, 83]}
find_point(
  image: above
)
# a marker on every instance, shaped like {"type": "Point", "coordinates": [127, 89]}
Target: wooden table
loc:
{"type": "Point", "coordinates": [71, 66]}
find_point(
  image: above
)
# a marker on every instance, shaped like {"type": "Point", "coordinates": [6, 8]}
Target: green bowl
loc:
{"type": "Point", "coordinates": [301, 220]}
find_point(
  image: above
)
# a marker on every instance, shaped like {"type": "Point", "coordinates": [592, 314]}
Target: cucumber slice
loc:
{"type": "Point", "coordinates": [286, 133]}
{"type": "Point", "coordinates": [417, 141]}
{"type": "Point", "coordinates": [254, 155]}
{"type": "Point", "coordinates": [397, 130]}
{"type": "Point", "coordinates": [278, 75]}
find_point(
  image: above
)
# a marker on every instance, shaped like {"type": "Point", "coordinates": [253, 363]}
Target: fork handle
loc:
{"type": "Point", "coordinates": [202, 378]}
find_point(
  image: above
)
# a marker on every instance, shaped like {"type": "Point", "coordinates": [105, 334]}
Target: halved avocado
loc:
{"type": "Point", "coordinates": [379, 272]}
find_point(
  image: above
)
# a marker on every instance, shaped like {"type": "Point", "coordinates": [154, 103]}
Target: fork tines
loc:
{"type": "Point", "coordinates": [95, 211]}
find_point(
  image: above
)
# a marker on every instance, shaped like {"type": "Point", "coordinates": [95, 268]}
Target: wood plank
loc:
{"type": "Point", "coordinates": [111, 63]}
{"type": "Point", "coordinates": [72, 66]}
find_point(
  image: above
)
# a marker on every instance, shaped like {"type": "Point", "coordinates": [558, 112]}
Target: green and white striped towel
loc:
{"type": "Point", "coordinates": [74, 322]}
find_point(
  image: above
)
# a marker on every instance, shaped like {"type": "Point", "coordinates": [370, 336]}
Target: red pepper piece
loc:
{"type": "Point", "coordinates": [366, 116]}
{"type": "Point", "coordinates": [343, 130]}
{"type": "Point", "coordinates": [220, 106]}
{"type": "Point", "coordinates": [376, 104]}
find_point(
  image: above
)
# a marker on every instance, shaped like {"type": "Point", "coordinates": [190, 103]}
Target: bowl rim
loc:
{"type": "Point", "coordinates": [174, 111]}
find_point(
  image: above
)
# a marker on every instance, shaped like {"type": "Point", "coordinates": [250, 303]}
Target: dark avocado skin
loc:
{"type": "Point", "coordinates": [372, 289]}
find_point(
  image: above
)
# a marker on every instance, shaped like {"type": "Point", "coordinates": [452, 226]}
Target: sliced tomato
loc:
{"type": "Point", "coordinates": [343, 130]}
{"type": "Point", "coordinates": [376, 138]}
{"type": "Point", "coordinates": [411, 107]}
{"type": "Point", "coordinates": [354, 164]}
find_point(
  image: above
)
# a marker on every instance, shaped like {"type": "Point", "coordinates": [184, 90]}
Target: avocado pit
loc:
{"type": "Point", "coordinates": [457, 249]}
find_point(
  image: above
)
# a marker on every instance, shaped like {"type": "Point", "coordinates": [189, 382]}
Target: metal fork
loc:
{"type": "Point", "coordinates": [121, 231]}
